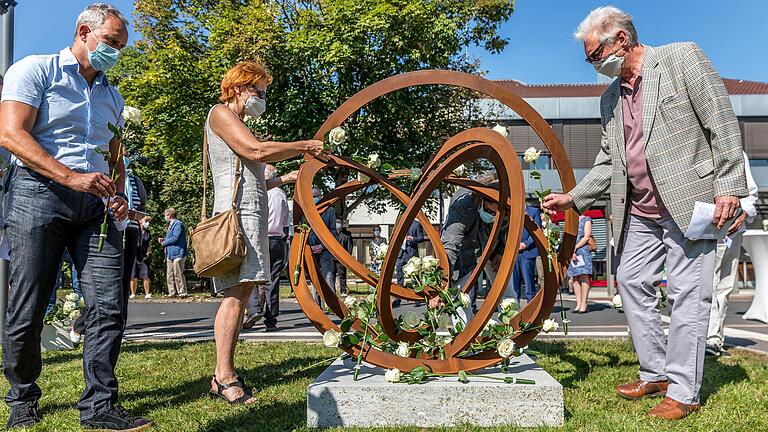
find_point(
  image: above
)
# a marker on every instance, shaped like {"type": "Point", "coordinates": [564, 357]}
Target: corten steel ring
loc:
{"type": "Point", "coordinates": [472, 144]}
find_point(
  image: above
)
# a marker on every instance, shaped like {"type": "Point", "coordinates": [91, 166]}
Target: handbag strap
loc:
{"type": "Point", "coordinates": [238, 173]}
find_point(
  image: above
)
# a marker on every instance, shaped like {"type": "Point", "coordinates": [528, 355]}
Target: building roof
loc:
{"type": "Point", "coordinates": [734, 87]}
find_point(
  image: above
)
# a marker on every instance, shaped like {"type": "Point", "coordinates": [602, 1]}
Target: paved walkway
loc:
{"type": "Point", "coordinates": [193, 320]}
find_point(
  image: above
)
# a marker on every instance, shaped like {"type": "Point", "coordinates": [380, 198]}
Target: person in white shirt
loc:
{"type": "Point", "coordinates": [265, 299]}
{"type": "Point", "coordinates": [727, 266]}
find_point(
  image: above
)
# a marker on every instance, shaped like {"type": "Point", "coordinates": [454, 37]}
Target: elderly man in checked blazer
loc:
{"type": "Point", "coordinates": [669, 138]}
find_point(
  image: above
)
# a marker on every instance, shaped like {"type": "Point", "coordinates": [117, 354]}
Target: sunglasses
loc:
{"type": "Point", "coordinates": [261, 94]}
{"type": "Point", "coordinates": [595, 55]}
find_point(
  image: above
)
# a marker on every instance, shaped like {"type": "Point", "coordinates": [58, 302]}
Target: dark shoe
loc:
{"type": "Point", "coordinates": [670, 409]}
{"type": "Point", "coordinates": [396, 303]}
{"type": "Point", "coordinates": [270, 329]}
{"type": "Point", "coordinates": [639, 389]}
{"type": "Point", "coordinates": [250, 320]}
{"type": "Point", "coordinates": [22, 415]}
{"type": "Point", "coordinates": [712, 351]}
{"type": "Point", "coordinates": [116, 418]}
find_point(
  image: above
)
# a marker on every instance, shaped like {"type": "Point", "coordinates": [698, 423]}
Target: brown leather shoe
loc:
{"type": "Point", "coordinates": [670, 409]}
{"type": "Point", "coordinates": [639, 389]}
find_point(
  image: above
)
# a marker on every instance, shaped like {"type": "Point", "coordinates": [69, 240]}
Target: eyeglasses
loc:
{"type": "Point", "coordinates": [261, 94]}
{"type": "Point", "coordinates": [595, 55]}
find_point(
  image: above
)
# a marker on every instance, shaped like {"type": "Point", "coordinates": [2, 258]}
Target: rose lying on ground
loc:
{"type": "Point", "coordinates": [429, 263]}
{"type": "Point", "coordinates": [403, 350]}
{"type": "Point", "coordinates": [531, 155]}
{"type": "Point", "coordinates": [505, 347]}
{"type": "Point", "coordinates": [509, 305]}
{"type": "Point", "coordinates": [411, 319]}
{"type": "Point", "coordinates": [549, 325]}
{"type": "Point", "coordinates": [337, 135]}
{"type": "Point", "coordinates": [412, 267]}
{"type": "Point", "coordinates": [332, 338]}
{"type": "Point", "coordinates": [392, 375]}
{"type": "Point", "coordinates": [617, 301]}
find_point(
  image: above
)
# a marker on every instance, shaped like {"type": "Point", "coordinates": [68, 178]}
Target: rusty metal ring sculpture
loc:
{"type": "Point", "coordinates": [468, 145]}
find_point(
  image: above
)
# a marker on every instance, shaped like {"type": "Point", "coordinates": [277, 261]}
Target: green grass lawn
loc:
{"type": "Point", "coordinates": [168, 382]}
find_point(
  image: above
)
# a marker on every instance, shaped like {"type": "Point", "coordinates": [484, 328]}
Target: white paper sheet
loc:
{"type": "Point", "coordinates": [579, 261]}
{"type": "Point", "coordinates": [701, 226]}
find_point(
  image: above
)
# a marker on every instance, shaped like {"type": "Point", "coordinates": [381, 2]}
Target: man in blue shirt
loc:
{"type": "Point", "coordinates": [54, 116]}
{"type": "Point", "coordinates": [175, 243]}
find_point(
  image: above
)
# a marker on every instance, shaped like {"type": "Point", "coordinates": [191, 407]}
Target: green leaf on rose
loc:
{"type": "Point", "coordinates": [463, 376]}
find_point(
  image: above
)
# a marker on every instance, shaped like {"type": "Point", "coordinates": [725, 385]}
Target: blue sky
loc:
{"type": "Point", "coordinates": [541, 48]}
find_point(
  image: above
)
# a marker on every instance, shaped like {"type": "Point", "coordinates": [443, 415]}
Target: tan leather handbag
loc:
{"type": "Point", "coordinates": [218, 242]}
{"type": "Point", "coordinates": [592, 244]}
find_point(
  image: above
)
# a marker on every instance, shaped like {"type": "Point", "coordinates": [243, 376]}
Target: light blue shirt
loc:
{"type": "Point", "coordinates": [72, 118]}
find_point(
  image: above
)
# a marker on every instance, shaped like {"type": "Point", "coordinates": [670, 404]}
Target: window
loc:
{"type": "Point", "coordinates": [543, 163]}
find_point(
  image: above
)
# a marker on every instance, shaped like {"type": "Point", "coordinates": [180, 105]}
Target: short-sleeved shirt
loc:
{"type": "Point", "coordinates": [72, 118]}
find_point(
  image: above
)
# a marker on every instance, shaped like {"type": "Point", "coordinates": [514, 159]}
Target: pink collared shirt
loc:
{"type": "Point", "coordinates": [278, 212]}
{"type": "Point", "coordinates": [645, 199]}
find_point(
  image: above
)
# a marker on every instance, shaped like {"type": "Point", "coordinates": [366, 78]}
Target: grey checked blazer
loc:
{"type": "Point", "coordinates": [692, 138]}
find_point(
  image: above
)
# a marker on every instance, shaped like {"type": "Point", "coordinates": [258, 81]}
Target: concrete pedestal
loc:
{"type": "Point", "coordinates": [334, 399]}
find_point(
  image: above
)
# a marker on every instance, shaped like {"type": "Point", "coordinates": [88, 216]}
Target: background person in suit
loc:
{"type": "Point", "coordinates": [669, 138]}
{"type": "Point", "coordinates": [344, 237]}
{"type": "Point", "coordinates": [409, 249]}
{"type": "Point", "coordinates": [525, 267]}
{"type": "Point", "coordinates": [323, 257]}
{"type": "Point", "coordinates": [175, 243]}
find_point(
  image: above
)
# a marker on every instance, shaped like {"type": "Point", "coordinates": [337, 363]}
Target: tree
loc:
{"type": "Point", "coordinates": [320, 53]}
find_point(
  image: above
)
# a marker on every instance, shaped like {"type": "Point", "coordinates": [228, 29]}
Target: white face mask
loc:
{"type": "Point", "coordinates": [338, 227]}
{"type": "Point", "coordinates": [145, 225]}
{"type": "Point", "coordinates": [254, 106]}
{"type": "Point", "coordinates": [609, 66]}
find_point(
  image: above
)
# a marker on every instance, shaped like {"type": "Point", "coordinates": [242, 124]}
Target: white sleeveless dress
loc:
{"type": "Point", "coordinates": [254, 210]}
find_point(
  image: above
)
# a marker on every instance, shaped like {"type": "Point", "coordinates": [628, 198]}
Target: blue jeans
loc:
{"type": "Point", "coordinates": [46, 218]}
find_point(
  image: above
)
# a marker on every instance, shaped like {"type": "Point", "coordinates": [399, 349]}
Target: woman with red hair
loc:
{"type": "Point", "coordinates": [243, 92]}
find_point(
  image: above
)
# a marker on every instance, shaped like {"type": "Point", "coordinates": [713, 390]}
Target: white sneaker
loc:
{"type": "Point", "coordinates": [132, 296]}
{"type": "Point", "coordinates": [75, 337]}
{"type": "Point", "coordinates": [148, 296]}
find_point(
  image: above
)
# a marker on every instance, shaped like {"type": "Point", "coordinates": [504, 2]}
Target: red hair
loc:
{"type": "Point", "coordinates": [243, 74]}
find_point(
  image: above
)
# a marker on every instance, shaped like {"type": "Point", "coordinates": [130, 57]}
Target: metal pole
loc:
{"type": "Point", "coordinates": [6, 60]}
{"type": "Point", "coordinates": [608, 249]}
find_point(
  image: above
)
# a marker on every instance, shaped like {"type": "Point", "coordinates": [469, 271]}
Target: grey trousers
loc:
{"type": "Point", "coordinates": [650, 246]}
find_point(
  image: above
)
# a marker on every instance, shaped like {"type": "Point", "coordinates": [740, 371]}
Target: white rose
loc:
{"type": "Point", "coordinates": [531, 155]}
{"type": "Point", "coordinates": [501, 130]}
{"type": "Point", "coordinates": [410, 319]}
{"type": "Point", "coordinates": [75, 314]}
{"type": "Point", "coordinates": [509, 305]}
{"type": "Point", "coordinates": [132, 114]}
{"type": "Point", "coordinates": [332, 338]}
{"type": "Point", "coordinates": [549, 325]}
{"type": "Point", "coordinates": [415, 173]}
{"type": "Point", "coordinates": [392, 375]}
{"type": "Point", "coordinates": [491, 322]}
{"type": "Point", "coordinates": [412, 266]}
{"type": "Point", "coordinates": [362, 178]}
{"type": "Point", "coordinates": [445, 340]}
{"type": "Point", "coordinates": [429, 263]}
{"type": "Point", "coordinates": [505, 347]}
{"type": "Point", "coordinates": [350, 301]}
{"type": "Point", "coordinates": [444, 321]}
{"type": "Point", "coordinates": [374, 161]}
{"type": "Point", "coordinates": [81, 302]}
{"type": "Point", "coordinates": [337, 135]}
{"type": "Point", "coordinates": [403, 350]}
{"type": "Point", "coordinates": [69, 306]}
{"type": "Point", "coordinates": [617, 301]}
{"type": "Point", "coordinates": [371, 298]}
{"type": "Point", "coordinates": [72, 297]}
{"type": "Point", "coordinates": [460, 171]}
{"type": "Point", "coordinates": [382, 252]}
{"type": "Point", "coordinates": [464, 297]}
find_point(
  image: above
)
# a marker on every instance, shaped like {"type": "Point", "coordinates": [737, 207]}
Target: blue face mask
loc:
{"type": "Point", "coordinates": [316, 199]}
{"type": "Point", "coordinates": [485, 216]}
{"type": "Point", "coordinates": [103, 57]}
{"type": "Point", "coordinates": [126, 161]}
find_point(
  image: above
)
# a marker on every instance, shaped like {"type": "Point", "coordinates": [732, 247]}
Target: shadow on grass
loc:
{"type": "Point", "coordinates": [717, 375]}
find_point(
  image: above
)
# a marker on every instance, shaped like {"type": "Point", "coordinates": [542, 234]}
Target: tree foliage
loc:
{"type": "Point", "coordinates": [320, 53]}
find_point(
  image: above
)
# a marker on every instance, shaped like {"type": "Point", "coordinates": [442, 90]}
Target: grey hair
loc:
{"type": "Point", "coordinates": [269, 171]}
{"type": "Point", "coordinates": [606, 21]}
{"type": "Point", "coordinates": [95, 14]}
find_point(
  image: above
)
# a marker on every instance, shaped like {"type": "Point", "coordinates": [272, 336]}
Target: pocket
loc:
{"type": "Point", "coordinates": [704, 168]}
